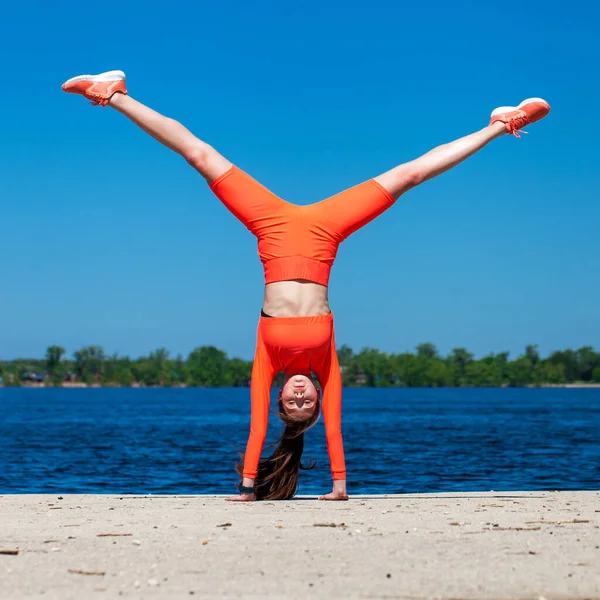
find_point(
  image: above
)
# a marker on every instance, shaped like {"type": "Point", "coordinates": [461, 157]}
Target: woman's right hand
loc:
{"type": "Point", "coordinates": [242, 498]}
{"type": "Point", "coordinates": [338, 492]}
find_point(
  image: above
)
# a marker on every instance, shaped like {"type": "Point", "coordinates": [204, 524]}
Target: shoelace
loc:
{"type": "Point", "coordinates": [97, 98]}
{"type": "Point", "coordinates": [515, 125]}
{"type": "Point", "coordinates": [101, 101]}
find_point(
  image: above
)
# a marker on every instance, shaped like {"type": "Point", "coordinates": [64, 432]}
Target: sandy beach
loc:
{"type": "Point", "coordinates": [497, 545]}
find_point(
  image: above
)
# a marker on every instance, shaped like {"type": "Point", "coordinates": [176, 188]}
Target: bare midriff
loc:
{"type": "Point", "coordinates": [296, 298]}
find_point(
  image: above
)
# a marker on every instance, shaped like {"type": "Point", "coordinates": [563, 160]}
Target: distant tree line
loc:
{"type": "Point", "coordinates": [208, 366]}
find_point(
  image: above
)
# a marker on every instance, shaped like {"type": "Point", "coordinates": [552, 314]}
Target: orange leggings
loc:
{"type": "Point", "coordinates": [299, 242]}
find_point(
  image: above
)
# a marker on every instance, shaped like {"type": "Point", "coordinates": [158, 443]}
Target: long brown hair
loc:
{"type": "Point", "coordinates": [277, 476]}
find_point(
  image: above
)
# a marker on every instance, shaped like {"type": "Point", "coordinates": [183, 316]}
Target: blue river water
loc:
{"type": "Point", "coordinates": [185, 441]}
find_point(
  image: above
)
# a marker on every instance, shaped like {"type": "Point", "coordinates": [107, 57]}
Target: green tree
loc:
{"type": "Point", "coordinates": [532, 354]}
{"type": "Point", "coordinates": [11, 377]}
{"type": "Point", "coordinates": [345, 355]}
{"type": "Point", "coordinates": [519, 372]}
{"type": "Point", "coordinates": [501, 360]}
{"type": "Point", "coordinates": [422, 371]}
{"type": "Point", "coordinates": [123, 376]}
{"type": "Point", "coordinates": [587, 361]}
{"type": "Point", "coordinates": [156, 369]}
{"type": "Point", "coordinates": [459, 359]}
{"type": "Point", "coordinates": [375, 367]}
{"type": "Point", "coordinates": [54, 355]}
{"type": "Point", "coordinates": [552, 373]}
{"type": "Point", "coordinates": [483, 373]}
{"type": "Point", "coordinates": [403, 368]}
{"type": "Point", "coordinates": [351, 372]}
{"type": "Point", "coordinates": [437, 373]}
{"type": "Point", "coordinates": [206, 366]}
{"type": "Point", "coordinates": [180, 370]}
{"type": "Point", "coordinates": [237, 373]}
{"type": "Point", "coordinates": [427, 350]}
{"type": "Point", "coordinates": [111, 366]}
{"type": "Point", "coordinates": [568, 359]}
{"type": "Point", "coordinates": [89, 363]}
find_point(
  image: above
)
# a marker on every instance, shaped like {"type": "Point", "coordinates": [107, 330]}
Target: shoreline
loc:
{"type": "Point", "coordinates": [77, 385]}
{"type": "Point", "coordinates": [488, 545]}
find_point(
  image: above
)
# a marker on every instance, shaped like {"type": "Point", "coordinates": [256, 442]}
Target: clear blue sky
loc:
{"type": "Point", "coordinates": [108, 238]}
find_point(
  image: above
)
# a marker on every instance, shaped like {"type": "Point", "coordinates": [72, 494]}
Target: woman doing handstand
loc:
{"type": "Point", "coordinates": [297, 246]}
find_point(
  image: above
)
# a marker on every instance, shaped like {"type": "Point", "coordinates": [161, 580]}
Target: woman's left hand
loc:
{"type": "Point", "coordinates": [242, 498]}
{"type": "Point", "coordinates": [247, 484]}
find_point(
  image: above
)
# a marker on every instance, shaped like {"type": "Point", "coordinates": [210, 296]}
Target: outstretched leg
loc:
{"type": "Point", "coordinates": [348, 211]}
{"type": "Point", "coordinates": [204, 158]}
{"type": "Point", "coordinates": [108, 89]}
{"type": "Point", "coordinates": [252, 203]}
{"type": "Point", "coordinates": [506, 119]}
{"type": "Point", "coordinates": [402, 178]}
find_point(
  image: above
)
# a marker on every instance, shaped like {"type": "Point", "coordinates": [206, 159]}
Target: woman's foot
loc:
{"type": "Point", "coordinates": [97, 88]}
{"type": "Point", "coordinates": [517, 117]}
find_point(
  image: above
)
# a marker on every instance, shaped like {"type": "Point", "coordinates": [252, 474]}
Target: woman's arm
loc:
{"type": "Point", "coordinates": [263, 373]}
{"type": "Point", "coordinates": [331, 383]}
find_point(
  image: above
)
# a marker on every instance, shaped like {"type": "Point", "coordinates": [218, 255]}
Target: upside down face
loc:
{"type": "Point", "coordinates": [299, 397]}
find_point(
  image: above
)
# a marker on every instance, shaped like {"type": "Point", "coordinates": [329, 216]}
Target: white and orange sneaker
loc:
{"type": "Point", "coordinates": [97, 88]}
{"type": "Point", "coordinates": [517, 117]}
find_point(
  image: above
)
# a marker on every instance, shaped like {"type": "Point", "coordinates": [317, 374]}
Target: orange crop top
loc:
{"type": "Point", "coordinates": [296, 345]}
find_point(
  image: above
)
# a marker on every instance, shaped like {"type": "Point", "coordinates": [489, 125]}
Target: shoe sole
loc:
{"type": "Point", "coordinates": [504, 109]}
{"type": "Point", "coordinates": [102, 77]}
